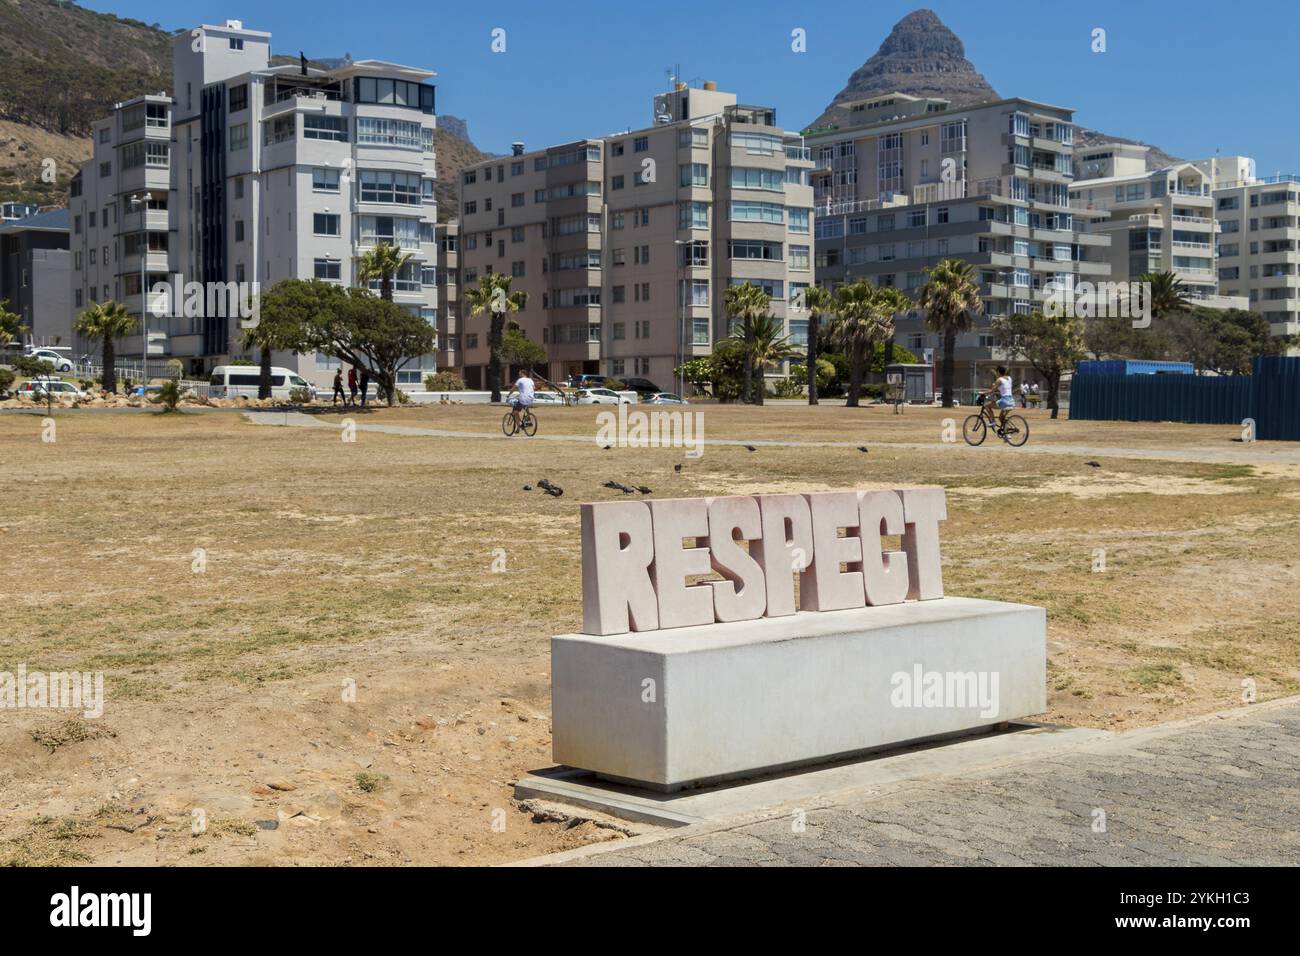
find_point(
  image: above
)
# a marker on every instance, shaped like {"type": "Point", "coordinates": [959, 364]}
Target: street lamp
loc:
{"type": "Point", "coordinates": [142, 200]}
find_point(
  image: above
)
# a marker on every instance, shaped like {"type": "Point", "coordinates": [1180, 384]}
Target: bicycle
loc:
{"type": "Point", "coordinates": [976, 428]}
{"type": "Point", "coordinates": [527, 423]}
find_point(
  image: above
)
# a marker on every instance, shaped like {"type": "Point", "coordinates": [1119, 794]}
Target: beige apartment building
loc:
{"type": "Point", "coordinates": [913, 180]}
{"type": "Point", "coordinates": [626, 244]}
{"type": "Point", "coordinates": [447, 236]}
{"type": "Point", "coordinates": [1158, 220]}
{"type": "Point", "coordinates": [1259, 241]}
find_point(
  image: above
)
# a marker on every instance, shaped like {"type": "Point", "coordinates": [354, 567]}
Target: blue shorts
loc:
{"type": "Point", "coordinates": [1006, 401]}
{"type": "Point", "coordinates": [518, 404]}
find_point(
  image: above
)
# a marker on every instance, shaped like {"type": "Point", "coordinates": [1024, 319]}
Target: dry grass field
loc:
{"type": "Point", "coordinates": [339, 677]}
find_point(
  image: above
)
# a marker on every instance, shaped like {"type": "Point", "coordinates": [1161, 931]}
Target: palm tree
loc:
{"type": "Point", "coordinates": [768, 344]}
{"type": "Point", "coordinates": [107, 321]}
{"type": "Point", "coordinates": [492, 295]}
{"type": "Point", "coordinates": [864, 315]}
{"type": "Point", "coordinates": [818, 302]}
{"type": "Point", "coordinates": [744, 302]}
{"type": "Point", "coordinates": [951, 299]}
{"type": "Point", "coordinates": [1168, 294]}
{"type": "Point", "coordinates": [383, 262]}
{"type": "Point", "coordinates": [10, 323]}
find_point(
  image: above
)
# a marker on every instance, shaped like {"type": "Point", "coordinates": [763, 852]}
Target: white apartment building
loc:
{"type": "Point", "coordinates": [1158, 220]}
{"type": "Point", "coordinates": [260, 169]}
{"type": "Point", "coordinates": [1259, 242]}
{"type": "Point", "coordinates": [626, 244]}
{"type": "Point", "coordinates": [914, 180]}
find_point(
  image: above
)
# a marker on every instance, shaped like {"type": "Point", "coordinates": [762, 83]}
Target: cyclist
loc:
{"type": "Point", "coordinates": [524, 392]}
{"type": "Point", "coordinates": [1004, 397]}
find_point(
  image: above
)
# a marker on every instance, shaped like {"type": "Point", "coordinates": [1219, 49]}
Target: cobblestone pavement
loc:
{"type": "Point", "coordinates": [1215, 792]}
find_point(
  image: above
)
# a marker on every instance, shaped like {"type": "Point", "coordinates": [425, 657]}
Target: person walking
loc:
{"type": "Point", "coordinates": [1024, 394]}
{"type": "Point", "coordinates": [338, 389]}
{"type": "Point", "coordinates": [352, 384]}
{"type": "Point", "coordinates": [365, 386]}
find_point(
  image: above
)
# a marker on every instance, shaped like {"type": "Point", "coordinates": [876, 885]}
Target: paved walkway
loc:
{"type": "Point", "coordinates": [1217, 791]}
{"type": "Point", "coordinates": [1245, 455]}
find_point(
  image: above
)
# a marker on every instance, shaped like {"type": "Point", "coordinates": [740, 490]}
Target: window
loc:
{"type": "Point", "coordinates": [747, 177]}
{"type": "Point", "coordinates": [754, 249]}
{"type": "Point", "coordinates": [325, 224]}
{"type": "Point", "coordinates": [383, 186]}
{"type": "Point", "coordinates": [328, 269]}
{"type": "Point", "coordinates": [694, 174]}
{"type": "Point", "coordinates": [105, 170]}
{"type": "Point", "coordinates": [756, 144]}
{"type": "Point", "coordinates": [799, 258]}
{"type": "Point", "coordinates": [238, 137]}
{"type": "Point", "coordinates": [742, 211]}
{"type": "Point", "coordinates": [516, 169]}
{"type": "Point", "coordinates": [369, 89]}
{"type": "Point", "coordinates": [693, 215]}
{"type": "Point", "coordinates": [389, 132]}
{"type": "Point", "coordinates": [390, 230]}
{"type": "Point", "coordinates": [282, 129]}
{"type": "Point", "coordinates": [239, 98]}
{"type": "Point", "coordinates": [236, 43]}
{"type": "Point", "coordinates": [239, 230]}
{"type": "Point", "coordinates": [799, 220]}
{"type": "Point", "coordinates": [239, 190]}
{"type": "Point", "coordinates": [616, 182]}
{"type": "Point", "coordinates": [640, 144]}
{"type": "Point", "coordinates": [325, 180]}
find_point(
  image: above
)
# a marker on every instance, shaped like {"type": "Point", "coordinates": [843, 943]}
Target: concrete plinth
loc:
{"type": "Point", "coordinates": [676, 708]}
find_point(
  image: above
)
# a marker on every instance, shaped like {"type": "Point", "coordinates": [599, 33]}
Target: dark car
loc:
{"type": "Point", "coordinates": [642, 386]}
{"type": "Point", "coordinates": [586, 381]}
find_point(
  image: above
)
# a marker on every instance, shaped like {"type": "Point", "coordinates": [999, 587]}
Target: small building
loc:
{"type": "Point", "coordinates": [35, 272]}
{"type": "Point", "coordinates": [909, 382]}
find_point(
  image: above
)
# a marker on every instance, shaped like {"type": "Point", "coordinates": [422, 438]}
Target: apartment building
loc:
{"type": "Point", "coordinates": [123, 233]}
{"type": "Point", "coordinates": [447, 236]}
{"type": "Point", "coordinates": [914, 180]}
{"type": "Point", "coordinates": [257, 169]}
{"type": "Point", "coordinates": [1259, 241]}
{"type": "Point", "coordinates": [35, 283]}
{"type": "Point", "coordinates": [1158, 220]}
{"type": "Point", "coordinates": [626, 244]}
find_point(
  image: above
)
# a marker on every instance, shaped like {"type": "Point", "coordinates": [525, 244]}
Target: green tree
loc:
{"type": "Point", "coordinates": [11, 323]}
{"type": "Point", "coordinates": [169, 394]}
{"type": "Point", "coordinates": [518, 349]}
{"type": "Point", "coordinates": [1052, 344]}
{"type": "Point", "coordinates": [383, 262]}
{"type": "Point", "coordinates": [951, 300]}
{"type": "Point", "coordinates": [280, 325]}
{"type": "Point", "coordinates": [744, 302]}
{"type": "Point", "coordinates": [108, 322]}
{"type": "Point", "coordinates": [818, 302]}
{"type": "Point", "coordinates": [370, 332]}
{"type": "Point", "coordinates": [768, 345]}
{"type": "Point", "coordinates": [864, 318]}
{"type": "Point", "coordinates": [492, 296]}
{"type": "Point", "coordinates": [1168, 294]}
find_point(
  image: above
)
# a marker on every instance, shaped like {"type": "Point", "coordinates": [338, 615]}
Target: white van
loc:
{"type": "Point", "coordinates": [232, 381]}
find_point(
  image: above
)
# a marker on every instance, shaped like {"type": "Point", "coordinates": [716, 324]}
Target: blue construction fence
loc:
{"type": "Point", "coordinates": [1270, 396]}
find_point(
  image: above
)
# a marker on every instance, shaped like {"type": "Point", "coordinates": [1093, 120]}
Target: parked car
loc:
{"type": "Point", "coordinates": [60, 362]}
{"type": "Point", "coordinates": [232, 381]}
{"type": "Point", "coordinates": [642, 386]}
{"type": "Point", "coordinates": [57, 387]}
{"type": "Point", "coordinates": [586, 381]}
{"type": "Point", "coordinates": [545, 398]}
{"type": "Point", "coordinates": [600, 396]}
{"type": "Point", "coordinates": [666, 398]}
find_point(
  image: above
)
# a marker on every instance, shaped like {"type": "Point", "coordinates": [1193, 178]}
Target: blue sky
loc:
{"type": "Point", "coordinates": [1186, 76]}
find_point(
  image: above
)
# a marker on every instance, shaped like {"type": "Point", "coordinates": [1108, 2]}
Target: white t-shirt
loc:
{"type": "Point", "coordinates": [525, 389]}
{"type": "Point", "coordinates": [1004, 386]}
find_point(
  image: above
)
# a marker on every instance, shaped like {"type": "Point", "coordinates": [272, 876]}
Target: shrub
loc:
{"type": "Point", "coordinates": [6, 378]}
{"type": "Point", "coordinates": [444, 381]}
{"type": "Point", "coordinates": [300, 396]}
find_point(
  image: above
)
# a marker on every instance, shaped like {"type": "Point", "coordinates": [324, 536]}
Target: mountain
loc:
{"type": "Point", "coordinates": [922, 57]}
{"type": "Point", "coordinates": [65, 66]}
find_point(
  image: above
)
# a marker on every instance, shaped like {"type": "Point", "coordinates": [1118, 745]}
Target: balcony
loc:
{"type": "Point", "coordinates": [799, 154]}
